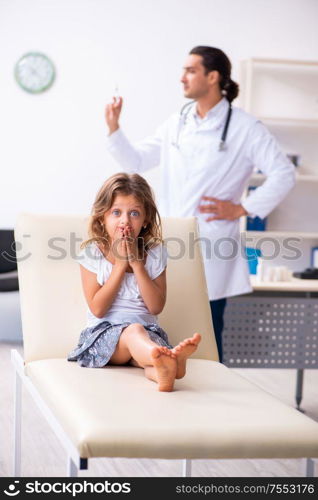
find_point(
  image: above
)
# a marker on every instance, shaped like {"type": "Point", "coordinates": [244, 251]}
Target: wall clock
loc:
{"type": "Point", "coordinates": [34, 72]}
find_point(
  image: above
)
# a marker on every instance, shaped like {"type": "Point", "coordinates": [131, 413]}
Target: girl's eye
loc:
{"type": "Point", "coordinates": [116, 212]}
{"type": "Point", "coordinates": [134, 213]}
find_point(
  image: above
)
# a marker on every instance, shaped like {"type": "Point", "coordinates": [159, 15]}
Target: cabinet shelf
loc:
{"type": "Point", "coordinates": [280, 62]}
{"type": "Point", "coordinates": [289, 122]}
{"type": "Point", "coordinates": [299, 178]}
{"type": "Point", "coordinates": [294, 285]}
{"type": "Point", "coordinates": [282, 234]}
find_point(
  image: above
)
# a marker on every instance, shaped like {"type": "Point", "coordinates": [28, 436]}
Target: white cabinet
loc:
{"type": "Point", "coordinates": [283, 94]}
{"type": "Point", "coordinates": [281, 90]}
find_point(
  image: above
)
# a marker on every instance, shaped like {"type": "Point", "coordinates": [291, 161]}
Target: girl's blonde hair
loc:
{"type": "Point", "coordinates": [125, 184]}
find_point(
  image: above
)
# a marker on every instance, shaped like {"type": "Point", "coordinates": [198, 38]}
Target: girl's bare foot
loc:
{"type": "Point", "coordinates": [165, 365]}
{"type": "Point", "coordinates": [183, 351]}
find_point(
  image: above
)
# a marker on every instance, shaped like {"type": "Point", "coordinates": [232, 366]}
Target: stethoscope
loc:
{"type": "Point", "coordinates": [183, 120]}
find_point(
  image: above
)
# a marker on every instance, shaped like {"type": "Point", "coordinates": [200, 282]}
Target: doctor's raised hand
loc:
{"type": "Point", "coordinates": [221, 209]}
{"type": "Point", "coordinates": [112, 114]}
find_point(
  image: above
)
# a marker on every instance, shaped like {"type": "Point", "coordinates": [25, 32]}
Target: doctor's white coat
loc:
{"type": "Point", "coordinates": [192, 167]}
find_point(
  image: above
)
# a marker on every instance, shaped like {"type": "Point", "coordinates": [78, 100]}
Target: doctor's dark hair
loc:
{"type": "Point", "coordinates": [214, 59]}
{"type": "Point", "coordinates": [125, 184]}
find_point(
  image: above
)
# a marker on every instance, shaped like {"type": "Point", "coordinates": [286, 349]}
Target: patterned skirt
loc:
{"type": "Point", "coordinates": [97, 344]}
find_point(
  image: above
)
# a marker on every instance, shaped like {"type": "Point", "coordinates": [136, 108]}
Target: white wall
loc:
{"type": "Point", "coordinates": [52, 154]}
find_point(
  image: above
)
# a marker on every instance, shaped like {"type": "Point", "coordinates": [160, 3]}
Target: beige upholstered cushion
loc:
{"type": "Point", "coordinates": [213, 413]}
{"type": "Point", "coordinates": [53, 308]}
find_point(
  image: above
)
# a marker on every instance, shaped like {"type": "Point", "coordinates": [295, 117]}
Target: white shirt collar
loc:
{"type": "Point", "coordinates": [215, 112]}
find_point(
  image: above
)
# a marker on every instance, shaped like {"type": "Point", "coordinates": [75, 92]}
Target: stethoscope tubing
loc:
{"type": "Point", "coordinates": [183, 118]}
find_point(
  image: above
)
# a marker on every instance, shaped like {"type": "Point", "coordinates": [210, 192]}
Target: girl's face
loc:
{"type": "Point", "coordinates": [126, 211]}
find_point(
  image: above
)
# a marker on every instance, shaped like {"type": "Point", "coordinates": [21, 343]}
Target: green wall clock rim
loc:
{"type": "Point", "coordinates": [45, 87]}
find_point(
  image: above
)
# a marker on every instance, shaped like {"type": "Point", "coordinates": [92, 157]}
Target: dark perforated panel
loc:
{"type": "Point", "coordinates": [266, 332]}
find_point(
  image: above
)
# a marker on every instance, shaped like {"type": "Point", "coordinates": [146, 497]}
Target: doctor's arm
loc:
{"type": "Point", "coordinates": [133, 158]}
{"type": "Point", "coordinates": [266, 156]}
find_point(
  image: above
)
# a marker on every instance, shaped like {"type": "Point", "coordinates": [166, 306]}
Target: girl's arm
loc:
{"type": "Point", "coordinates": [100, 298]}
{"type": "Point", "coordinates": [152, 291]}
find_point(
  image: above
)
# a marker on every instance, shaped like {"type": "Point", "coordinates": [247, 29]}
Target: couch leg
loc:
{"type": "Point", "coordinates": [17, 426]}
{"type": "Point", "coordinates": [309, 467]}
{"type": "Point", "coordinates": [83, 463]}
{"type": "Point", "coordinates": [72, 470]}
{"type": "Point", "coordinates": [186, 468]}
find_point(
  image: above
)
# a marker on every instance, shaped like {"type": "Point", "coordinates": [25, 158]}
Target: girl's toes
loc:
{"type": "Point", "coordinates": [156, 352]}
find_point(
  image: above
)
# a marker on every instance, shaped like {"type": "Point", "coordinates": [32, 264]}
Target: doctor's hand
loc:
{"type": "Point", "coordinates": [112, 113]}
{"type": "Point", "coordinates": [221, 209]}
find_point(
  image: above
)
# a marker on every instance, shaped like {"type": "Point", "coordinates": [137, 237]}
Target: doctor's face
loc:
{"type": "Point", "coordinates": [196, 83]}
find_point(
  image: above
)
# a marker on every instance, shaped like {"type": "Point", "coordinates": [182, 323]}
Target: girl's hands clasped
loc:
{"type": "Point", "coordinates": [131, 248]}
{"type": "Point", "coordinates": [119, 252]}
{"type": "Point", "coordinates": [125, 250]}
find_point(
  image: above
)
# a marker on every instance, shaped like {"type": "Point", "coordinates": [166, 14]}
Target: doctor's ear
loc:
{"type": "Point", "coordinates": [214, 77]}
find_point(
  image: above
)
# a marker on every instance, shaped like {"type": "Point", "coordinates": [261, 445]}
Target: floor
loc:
{"type": "Point", "coordinates": [43, 456]}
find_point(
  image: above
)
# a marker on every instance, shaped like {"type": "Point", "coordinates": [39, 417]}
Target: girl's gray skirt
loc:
{"type": "Point", "coordinates": [97, 344]}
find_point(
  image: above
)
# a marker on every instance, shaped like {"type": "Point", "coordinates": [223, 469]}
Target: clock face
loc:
{"type": "Point", "coordinates": [34, 72]}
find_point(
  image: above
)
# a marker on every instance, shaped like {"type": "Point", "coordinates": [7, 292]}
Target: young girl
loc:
{"type": "Point", "coordinates": [124, 281]}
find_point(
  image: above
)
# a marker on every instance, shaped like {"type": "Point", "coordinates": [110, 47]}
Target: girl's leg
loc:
{"type": "Point", "coordinates": [159, 362]}
{"type": "Point", "coordinates": [150, 371]}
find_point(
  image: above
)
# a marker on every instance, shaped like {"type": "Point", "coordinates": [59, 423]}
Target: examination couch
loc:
{"type": "Point", "coordinates": [115, 411]}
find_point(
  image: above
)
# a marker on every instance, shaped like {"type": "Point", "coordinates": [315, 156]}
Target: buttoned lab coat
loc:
{"type": "Point", "coordinates": [192, 166]}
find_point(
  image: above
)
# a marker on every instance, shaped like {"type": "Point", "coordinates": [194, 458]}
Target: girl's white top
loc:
{"type": "Point", "coordinates": [128, 305]}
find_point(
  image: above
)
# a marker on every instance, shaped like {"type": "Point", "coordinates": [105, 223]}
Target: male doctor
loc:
{"type": "Point", "coordinates": [207, 153]}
